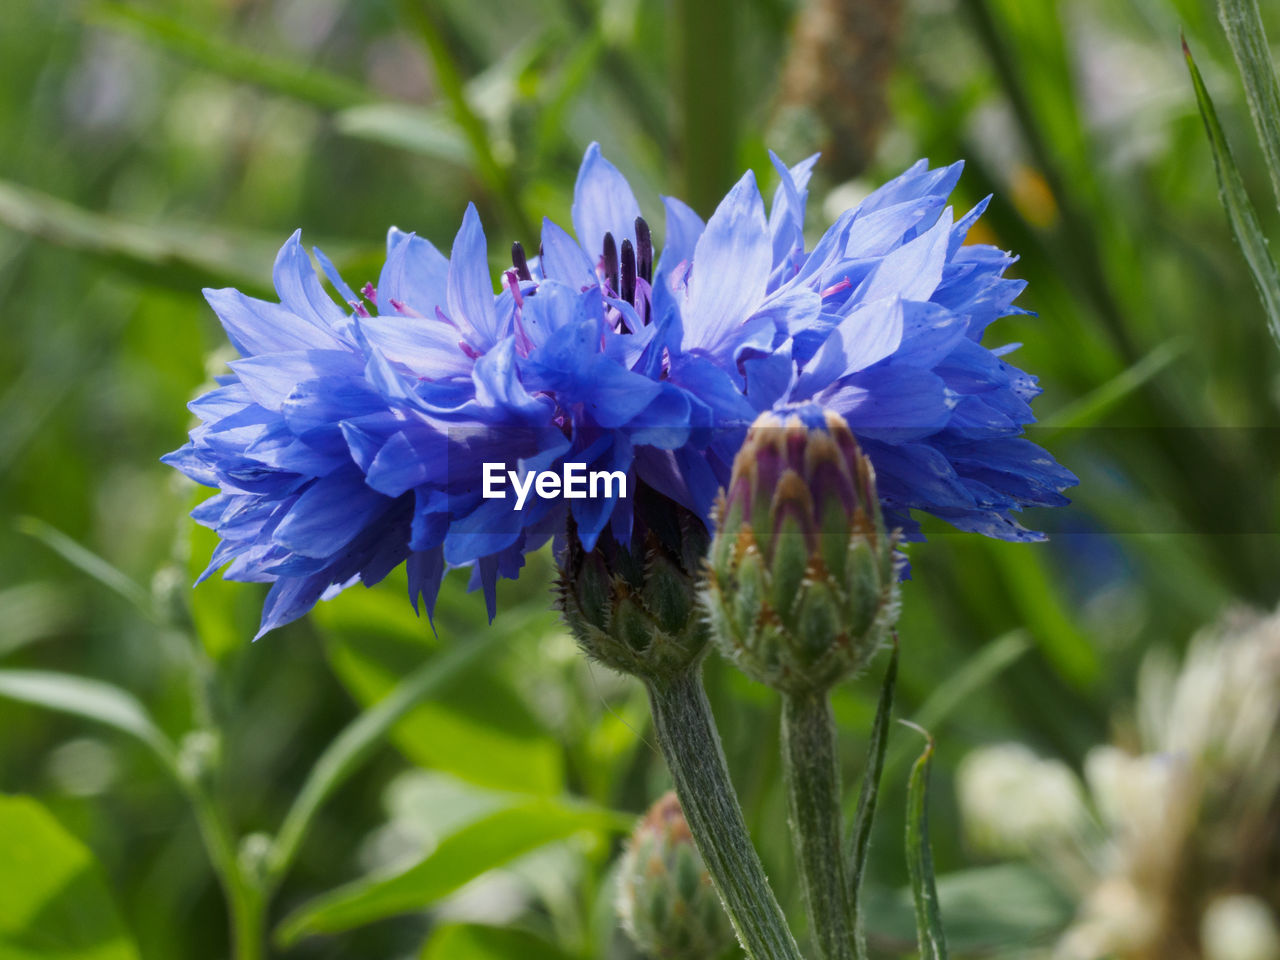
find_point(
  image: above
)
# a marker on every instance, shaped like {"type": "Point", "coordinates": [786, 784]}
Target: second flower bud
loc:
{"type": "Point", "coordinates": [802, 582]}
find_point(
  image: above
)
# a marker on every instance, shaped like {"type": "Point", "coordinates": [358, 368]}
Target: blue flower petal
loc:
{"type": "Point", "coordinates": [256, 326]}
{"type": "Point", "coordinates": [328, 515]}
{"type": "Point", "coordinates": [470, 291]}
{"type": "Point", "coordinates": [564, 260]}
{"type": "Point", "coordinates": [299, 288]}
{"type": "Point", "coordinates": [730, 270]}
{"type": "Point", "coordinates": [871, 332]}
{"type": "Point", "coordinates": [415, 278]}
{"type": "Point", "coordinates": [684, 228]}
{"type": "Point", "coordinates": [602, 203]}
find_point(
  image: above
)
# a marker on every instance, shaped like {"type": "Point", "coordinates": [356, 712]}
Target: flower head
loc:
{"type": "Point", "coordinates": [351, 437]}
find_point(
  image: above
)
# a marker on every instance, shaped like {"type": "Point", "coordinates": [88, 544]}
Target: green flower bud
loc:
{"type": "Point", "coordinates": [666, 901]}
{"type": "Point", "coordinates": [635, 608]}
{"type": "Point", "coordinates": [802, 582]}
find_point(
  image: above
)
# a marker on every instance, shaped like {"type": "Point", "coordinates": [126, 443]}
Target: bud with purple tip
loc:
{"type": "Point", "coordinates": [802, 583]}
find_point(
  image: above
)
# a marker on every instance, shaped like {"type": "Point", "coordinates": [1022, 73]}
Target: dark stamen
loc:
{"type": "Point", "coordinates": [520, 262]}
{"type": "Point", "coordinates": [628, 289]}
{"type": "Point", "coordinates": [644, 250]}
{"type": "Point", "coordinates": [611, 261]}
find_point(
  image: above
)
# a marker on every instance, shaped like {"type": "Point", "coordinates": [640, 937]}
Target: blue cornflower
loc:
{"type": "Point", "coordinates": [881, 321]}
{"type": "Point", "coordinates": [349, 439]}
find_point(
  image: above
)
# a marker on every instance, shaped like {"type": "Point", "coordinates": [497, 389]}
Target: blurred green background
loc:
{"type": "Point", "coordinates": [150, 149]}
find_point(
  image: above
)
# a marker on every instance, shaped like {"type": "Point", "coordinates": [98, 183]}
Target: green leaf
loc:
{"type": "Point", "coordinates": [476, 726]}
{"type": "Point", "coordinates": [1035, 593]}
{"type": "Point", "coordinates": [206, 48]}
{"type": "Point", "coordinates": [472, 942]}
{"type": "Point", "coordinates": [495, 175]}
{"type": "Point", "coordinates": [54, 899]}
{"type": "Point", "coordinates": [32, 611]}
{"type": "Point", "coordinates": [88, 562]}
{"type": "Point", "coordinates": [924, 891]}
{"type": "Point", "coordinates": [475, 849]}
{"type": "Point", "coordinates": [1242, 21]}
{"type": "Point", "coordinates": [860, 835]}
{"type": "Point", "coordinates": [1235, 200]}
{"type": "Point", "coordinates": [162, 257]}
{"type": "Point", "coordinates": [91, 699]}
{"type": "Point", "coordinates": [709, 101]}
{"type": "Point", "coordinates": [428, 132]}
{"type": "Point", "coordinates": [364, 734]}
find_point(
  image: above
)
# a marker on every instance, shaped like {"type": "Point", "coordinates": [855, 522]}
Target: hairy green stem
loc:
{"type": "Point", "coordinates": [812, 770]}
{"type": "Point", "coordinates": [686, 732]}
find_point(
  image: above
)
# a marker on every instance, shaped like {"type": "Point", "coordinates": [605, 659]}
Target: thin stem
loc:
{"type": "Point", "coordinates": [246, 901]}
{"type": "Point", "coordinates": [813, 798]}
{"type": "Point", "coordinates": [686, 732]}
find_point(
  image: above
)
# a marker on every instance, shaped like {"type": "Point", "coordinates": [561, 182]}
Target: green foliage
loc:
{"type": "Point", "coordinates": [1235, 199]}
{"type": "Point", "coordinates": [987, 910]}
{"type": "Point", "coordinates": [470, 942]}
{"type": "Point", "coordinates": [490, 842]}
{"type": "Point", "coordinates": [55, 903]}
{"type": "Point", "coordinates": [475, 726]}
{"type": "Point", "coordinates": [1242, 19]}
{"type": "Point", "coordinates": [90, 699]}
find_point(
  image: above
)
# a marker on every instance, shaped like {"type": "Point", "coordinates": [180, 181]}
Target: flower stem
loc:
{"type": "Point", "coordinates": [686, 732]}
{"type": "Point", "coordinates": [246, 902]}
{"type": "Point", "coordinates": [813, 798]}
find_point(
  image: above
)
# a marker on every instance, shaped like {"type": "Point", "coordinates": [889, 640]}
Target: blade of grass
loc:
{"type": "Point", "coordinates": [211, 51]}
{"type": "Point", "coordinates": [642, 98]}
{"type": "Point", "coordinates": [1235, 200]}
{"type": "Point", "coordinates": [93, 700]}
{"type": "Point", "coordinates": [860, 835]}
{"type": "Point", "coordinates": [924, 890]}
{"type": "Point", "coordinates": [475, 849]}
{"type": "Point", "coordinates": [1094, 405]}
{"type": "Point", "coordinates": [416, 129]}
{"type": "Point", "coordinates": [157, 257]}
{"type": "Point", "coordinates": [1242, 20]}
{"type": "Point", "coordinates": [88, 562]}
{"type": "Point", "coordinates": [350, 748]}
{"type": "Point", "coordinates": [495, 176]}
{"type": "Point", "coordinates": [1054, 135]}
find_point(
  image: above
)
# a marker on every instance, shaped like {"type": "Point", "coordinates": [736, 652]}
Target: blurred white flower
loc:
{"type": "Point", "coordinates": [1239, 927]}
{"type": "Point", "coordinates": [1013, 802]}
{"type": "Point", "coordinates": [1177, 859]}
